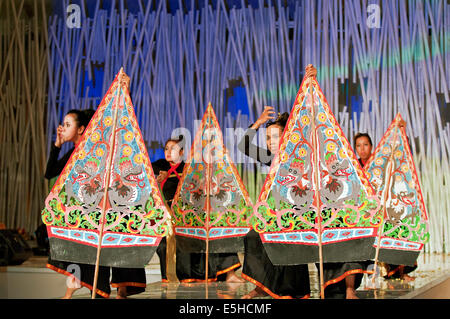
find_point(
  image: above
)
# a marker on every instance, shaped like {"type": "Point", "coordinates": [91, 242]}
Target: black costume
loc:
{"type": "Point", "coordinates": [335, 273]}
{"type": "Point", "coordinates": [277, 281]}
{"type": "Point", "coordinates": [54, 168]}
{"type": "Point", "coordinates": [334, 277]}
{"type": "Point", "coordinates": [133, 278]}
{"type": "Point", "coordinates": [55, 165]}
{"type": "Point", "coordinates": [189, 266]}
{"type": "Point", "coordinates": [397, 271]}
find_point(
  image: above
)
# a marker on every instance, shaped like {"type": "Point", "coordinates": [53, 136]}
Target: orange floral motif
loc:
{"type": "Point", "coordinates": [329, 132]}
{"type": "Point", "coordinates": [295, 137]}
{"type": "Point", "coordinates": [284, 157]}
{"type": "Point", "coordinates": [95, 137]}
{"type": "Point", "coordinates": [138, 158]}
{"type": "Point", "coordinates": [376, 171]}
{"type": "Point", "coordinates": [322, 117]}
{"type": "Point", "coordinates": [302, 152]}
{"type": "Point", "coordinates": [127, 150]}
{"type": "Point", "coordinates": [128, 136]}
{"type": "Point", "coordinates": [107, 121]}
{"type": "Point", "coordinates": [99, 152]}
{"type": "Point", "coordinates": [124, 120]}
{"type": "Point", "coordinates": [331, 147]}
{"type": "Point", "coordinates": [305, 120]}
{"type": "Point", "coordinates": [81, 154]}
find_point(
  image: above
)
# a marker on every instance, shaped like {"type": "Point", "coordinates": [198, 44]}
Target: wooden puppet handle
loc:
{"type": "Point", "coordinates": [171, 250]}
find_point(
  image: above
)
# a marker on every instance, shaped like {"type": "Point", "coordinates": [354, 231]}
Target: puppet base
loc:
{"type": "Point", "coordinates": [130, 257]}
{"type": "Point", "coordinates": [223, 245]}
{"type": "Point", "coordinates": [398, 257]}
{"type": "Point", "coordinates": [345, 251]}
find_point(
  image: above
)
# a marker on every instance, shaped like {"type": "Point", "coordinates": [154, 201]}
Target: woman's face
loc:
{"type": "Point", "coordinates": [273, 136]}
{"type": "Point", "coordinates": [71, 131]}
{"type": "Point", "coordinates": [363, 148]}
{"type": "Point", "coordinates": [173, 152]}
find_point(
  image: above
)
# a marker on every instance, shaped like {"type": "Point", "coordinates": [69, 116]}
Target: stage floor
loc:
{"type": "Point", "coordinates": [32, 280]}
{"type": "Point", "coordinates": [432, 270]}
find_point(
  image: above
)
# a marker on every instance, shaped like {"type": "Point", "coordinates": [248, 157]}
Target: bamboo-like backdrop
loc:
{"type": "Point", "coordinates": [179, 61]}
{"type": "Point", "coordinates": [23, 108]}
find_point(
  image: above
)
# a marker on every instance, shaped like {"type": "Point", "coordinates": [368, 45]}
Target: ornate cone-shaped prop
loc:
{"type": "Point", "coordinates": [393, 175]}
{"type": "Point", "coordinates": [211, 203]}
{"type": "Point", "coordinates": [316, 194]}
{"type": "Point", "coordinates": [107, 196]}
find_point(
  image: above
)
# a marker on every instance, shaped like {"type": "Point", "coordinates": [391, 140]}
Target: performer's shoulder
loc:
{"type": "Point", "coordinates": [161, 163]}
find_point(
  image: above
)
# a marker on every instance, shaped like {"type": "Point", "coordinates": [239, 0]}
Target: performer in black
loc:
{"type": "Point", "coordinates": [276, 281]}
{"type": "Point", "coordinates": [342, 279]}
{"type": "Point", "coordinates": [363, 147]}
{"type": "Point", "coordinates": [72, 130]}
{"type": "Point", "coordinates": [128, 281]}
{"type": "Point", "coordinates": [168, 173]}
{"type": "Point", "coordinates": [190, 267]}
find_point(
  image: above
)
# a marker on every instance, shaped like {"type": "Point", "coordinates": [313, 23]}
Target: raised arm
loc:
{"type": "Point", "coordinates": [246, 146]}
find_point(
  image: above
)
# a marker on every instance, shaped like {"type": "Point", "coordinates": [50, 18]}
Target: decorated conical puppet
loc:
{"type": "Point", "coordinates": [111, 153]}
{"type": "Point", "coordinates": [211, 203]}
{"type": "Point", "coordinates": [392, 174]}
{"type": "Point", "coordinates": [316, 204]}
